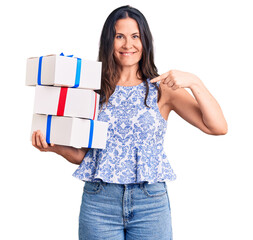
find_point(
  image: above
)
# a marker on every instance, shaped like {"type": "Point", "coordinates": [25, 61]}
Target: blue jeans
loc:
{"type": "Point", "coordinates": [111, 211]}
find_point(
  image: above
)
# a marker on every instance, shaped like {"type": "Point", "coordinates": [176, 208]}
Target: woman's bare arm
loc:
{"type": "Point", "coordinates": [73, 155]}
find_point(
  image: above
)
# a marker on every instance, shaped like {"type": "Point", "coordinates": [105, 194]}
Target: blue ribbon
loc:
{"type": "Point", "coordinates": [78, 70]}
{"type": "Point", "coordinates": [48, 131]}
{"type": "Point", "coordinates": [67, 55]}
{"type": "Point", "coordinates": [91, 133]}
{"type": "Point", "coordinates": [39, 71]}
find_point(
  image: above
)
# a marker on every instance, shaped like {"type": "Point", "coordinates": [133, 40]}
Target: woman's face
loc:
{"type": "Point", "coordinates": [127, 42]}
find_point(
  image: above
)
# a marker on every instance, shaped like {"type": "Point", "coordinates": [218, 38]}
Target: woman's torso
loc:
{"type": "Point", "coordinates": [164, 102]}
{"type": "Point", "coordinates": [134, 149]}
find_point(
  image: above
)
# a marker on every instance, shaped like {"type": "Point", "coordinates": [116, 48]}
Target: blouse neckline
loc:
{"type": "Point", "coordinates": [119, 86]}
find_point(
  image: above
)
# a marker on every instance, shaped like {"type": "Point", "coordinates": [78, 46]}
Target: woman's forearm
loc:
{"type": "Point", "coordinates": [211, 111]}
{"type": "Point", "coordinates": [73, 155]}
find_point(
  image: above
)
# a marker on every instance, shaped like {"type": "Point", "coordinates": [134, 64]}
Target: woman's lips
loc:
{"type": "Point", "coordinates": [126, 53]}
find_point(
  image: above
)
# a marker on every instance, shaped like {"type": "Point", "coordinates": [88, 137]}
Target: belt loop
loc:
{"type": "Point", "coordinates": [102, 182]}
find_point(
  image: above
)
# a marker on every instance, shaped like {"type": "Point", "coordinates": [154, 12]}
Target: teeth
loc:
{"type": "Point", "coordinates": [126, 54]}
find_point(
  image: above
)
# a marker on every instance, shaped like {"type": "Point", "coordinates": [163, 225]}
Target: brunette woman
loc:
{"type": "Point", "coordinates": [125, 194]}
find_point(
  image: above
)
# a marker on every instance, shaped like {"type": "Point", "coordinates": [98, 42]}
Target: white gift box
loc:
{"type": "Point", "coordinates": [69, 131]}
{"type": "Point", "coordinates": [65, 71]}
{"type": "Point", "coordinates": [63, 101]}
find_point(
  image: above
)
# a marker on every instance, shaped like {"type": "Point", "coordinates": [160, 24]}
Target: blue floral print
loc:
{"type": "Point", "coordinates": [134, 148]}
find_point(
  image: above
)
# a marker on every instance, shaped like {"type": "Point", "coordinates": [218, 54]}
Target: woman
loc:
{"type": "Point", "coordinates": [125, 194]}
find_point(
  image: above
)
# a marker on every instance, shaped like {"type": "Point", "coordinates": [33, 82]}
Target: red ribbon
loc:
{"type": "Point", "coordinates": [62, 101]}
{"type": "Point", "coordinates": [95, 106]}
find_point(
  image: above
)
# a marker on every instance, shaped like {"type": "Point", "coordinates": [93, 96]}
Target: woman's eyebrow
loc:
{"type": "Point", "coordinates": [131, 34]}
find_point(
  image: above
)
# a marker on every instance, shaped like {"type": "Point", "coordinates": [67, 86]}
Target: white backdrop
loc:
{"type": "Point", "coordinates": [212, 196]}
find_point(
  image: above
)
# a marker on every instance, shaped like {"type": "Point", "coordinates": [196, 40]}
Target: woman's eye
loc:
{"type": "Point", "coordinates": [135, 36]}
{"type": "Point", "coordinates": [119, 36]}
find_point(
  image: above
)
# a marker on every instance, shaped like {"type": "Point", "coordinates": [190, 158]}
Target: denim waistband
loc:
{"type": "Point", "coordinates": [127, 185]}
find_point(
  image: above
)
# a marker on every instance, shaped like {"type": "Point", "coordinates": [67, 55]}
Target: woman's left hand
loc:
{"type": "Point", "coordinates": [202, 110]}
{"type": "Point", "coordinates": [177, 79]}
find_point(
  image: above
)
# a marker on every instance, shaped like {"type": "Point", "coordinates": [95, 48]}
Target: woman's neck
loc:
{"type": "Point", "coordinates": [128, 75]}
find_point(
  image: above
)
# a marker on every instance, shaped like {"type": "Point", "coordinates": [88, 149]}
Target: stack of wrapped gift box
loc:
{"type": "Point", "coordinates": [66, 105]}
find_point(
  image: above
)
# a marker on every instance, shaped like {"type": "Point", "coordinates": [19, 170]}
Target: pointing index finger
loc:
{"type": "Point", "coordinates": [159, 78]}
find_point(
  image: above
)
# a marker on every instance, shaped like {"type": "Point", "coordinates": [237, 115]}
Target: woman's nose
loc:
{"type": "Point", "coordinates": [128, 43]}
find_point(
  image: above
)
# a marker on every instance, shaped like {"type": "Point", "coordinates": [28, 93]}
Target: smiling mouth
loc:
{"type": "Point", "coordinates": [127, 53]}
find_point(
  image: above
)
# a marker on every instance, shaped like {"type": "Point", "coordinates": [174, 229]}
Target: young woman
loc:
{"type": "Point", "coordinates": [125, 195]}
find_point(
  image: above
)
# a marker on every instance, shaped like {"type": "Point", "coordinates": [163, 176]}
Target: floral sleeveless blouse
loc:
{"type": "Point", "coordinates": [134, 149]}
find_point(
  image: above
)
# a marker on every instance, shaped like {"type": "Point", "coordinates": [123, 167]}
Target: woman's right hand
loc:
{"type": "Point", "coordinates": [39, 141]}
{"type": "Point", "coordinates": [73, 155]}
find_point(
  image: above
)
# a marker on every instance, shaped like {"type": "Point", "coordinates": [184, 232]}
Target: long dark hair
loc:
{"type": "Point", "coordinates": [110, 71]}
